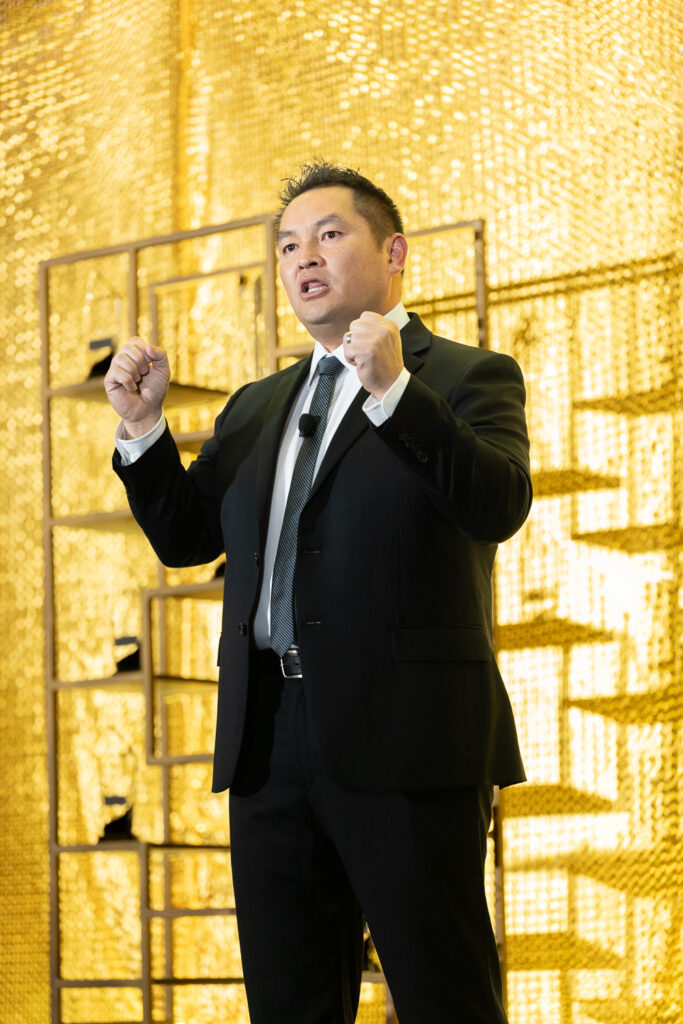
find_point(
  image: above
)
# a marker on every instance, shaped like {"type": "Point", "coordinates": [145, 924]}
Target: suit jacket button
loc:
{"type": "Point", "coordinates": [242, 629]}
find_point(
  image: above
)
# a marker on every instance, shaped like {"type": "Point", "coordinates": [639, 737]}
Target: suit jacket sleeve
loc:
{"type": "Point", "coordinates": [469, 446]}
{"type": "Point", "coordinates": [178, 509]}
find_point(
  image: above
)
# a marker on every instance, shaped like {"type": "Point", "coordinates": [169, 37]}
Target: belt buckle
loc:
{"type": "Point", "coordinates": [293, 655]}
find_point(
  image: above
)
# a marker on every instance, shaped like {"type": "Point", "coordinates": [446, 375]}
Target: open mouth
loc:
{"type": "Point", "coordinates": [313, 288]}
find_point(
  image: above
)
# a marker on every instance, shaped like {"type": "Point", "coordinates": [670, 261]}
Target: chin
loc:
{"type": "Point", "coordinates": [309, 318]}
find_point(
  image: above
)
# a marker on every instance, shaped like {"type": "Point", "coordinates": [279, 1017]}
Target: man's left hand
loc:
{"type": "Point", "coordinates": [373, 345]}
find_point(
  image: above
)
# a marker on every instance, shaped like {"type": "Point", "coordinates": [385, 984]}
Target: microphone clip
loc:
{"type": "Point", "coordinates": [308, 424]}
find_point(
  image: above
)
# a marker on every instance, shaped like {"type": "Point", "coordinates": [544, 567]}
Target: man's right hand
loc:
{"type": "Point", "coordinates": [136, 384]}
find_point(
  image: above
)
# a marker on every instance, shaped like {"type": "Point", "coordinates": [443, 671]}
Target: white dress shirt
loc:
{"type": "Point", "coordinates": [346, 387]}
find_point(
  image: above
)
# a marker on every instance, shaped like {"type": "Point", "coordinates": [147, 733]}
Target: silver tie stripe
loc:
{"type": "Point", "coordinates": [282, 593]}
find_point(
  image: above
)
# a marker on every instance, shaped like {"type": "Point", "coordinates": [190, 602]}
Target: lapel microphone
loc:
{"type": "Point", "coordinates": [307, 424]}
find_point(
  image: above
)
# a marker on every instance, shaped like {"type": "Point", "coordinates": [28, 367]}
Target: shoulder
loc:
{"type": "Point", "coordinates": [263, 388]}
{"type": "Point", "coordinates": [251, 402]}
{"type": "Point", "coordinates": [453, 355]}
{"type": "Point", "coordinates": [272, 381]}
{"type": "Point", "coordinates": [471, 357]}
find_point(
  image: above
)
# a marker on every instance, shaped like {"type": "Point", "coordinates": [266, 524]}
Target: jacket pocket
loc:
{"type": "Point", "coordinates": [440, 643]}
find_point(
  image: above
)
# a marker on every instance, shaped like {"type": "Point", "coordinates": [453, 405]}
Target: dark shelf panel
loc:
{"type": "Point", "coordinates": [179, 395]}
{"type": "Point", "coordinates": [172, 847]}
{"type": "Point", "coordinates": [636, 540]}
{"type": "Point", "coordinates": [100, 982]}
{"type": "Point", "coordinates": [104, 847]}
{"type": "Point", "coordinates": [178, 913]}
{"type": "Point", "coordinates": [92, 390]}
{"type": "Point", "coordinates": [180, 684]}
{"type": "Point", "coordinates": [556, 951]}
{"type": "Point", "coordinates": [665, 705]}
{"type": "Point", "coordinates": [121, 681]}
{"type": "Point", "coordinates": [208, 590]}
{"type": "Point", "coordinates": [118, 521]}
{"type": "Point", "coordinates": [128, 845]}
{"type": "Point", "coordinates": [192, 442]}
{"type": "Point", "coordinates": [547, 633]}
{"type": "Point", "coordinates": [373, 977]}
{"type": "Point", "coordinates": [638, 403]}
{"type": "Point", "coordinates": [197, 981]}
{"type": "Point", "coordinates": [170, 759]}
{"type": "Point", "coordinates": [617, 1011]}
{"type": "Point", "coordinates": [646, 872]}
{"type": "Point", "coordinates": [528, 800]}
{"type": "Point", "coordinates": [550, 482]}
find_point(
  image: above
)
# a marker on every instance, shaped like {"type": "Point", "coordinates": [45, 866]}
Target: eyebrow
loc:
{"type": "Point", "coordinates": [318, 224]}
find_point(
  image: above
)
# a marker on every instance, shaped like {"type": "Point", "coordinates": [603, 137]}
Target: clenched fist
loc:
{"type": "Point", "coordinates": [136, 384]}
{"type": "Point", "coordinates": [373, 345]}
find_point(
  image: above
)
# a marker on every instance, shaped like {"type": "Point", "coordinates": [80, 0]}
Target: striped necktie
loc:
{"type": "Point", "coordinates": [282, 594]}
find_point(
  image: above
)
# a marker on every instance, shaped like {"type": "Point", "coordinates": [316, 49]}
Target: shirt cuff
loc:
{"type": "Point", "coordinates": [131, 448]}
{"type": "Point", "coordinates": [378, 412]}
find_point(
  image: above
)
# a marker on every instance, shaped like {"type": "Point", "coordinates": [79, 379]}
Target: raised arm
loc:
{"type": "Point", "coordinates": [136, 384]}
{"type": "Point", "coordinates": [468, 445]}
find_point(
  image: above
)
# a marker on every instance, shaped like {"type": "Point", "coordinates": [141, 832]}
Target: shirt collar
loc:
{"type": "Point", "coordinates": [398, 314]}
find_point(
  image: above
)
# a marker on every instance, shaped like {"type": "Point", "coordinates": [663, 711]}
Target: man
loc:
{"type": "Point", "coordinates": [362, 720]}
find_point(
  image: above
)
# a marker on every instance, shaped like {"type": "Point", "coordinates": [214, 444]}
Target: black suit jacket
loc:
{"type": "Point", "coordinates": [393, 577]}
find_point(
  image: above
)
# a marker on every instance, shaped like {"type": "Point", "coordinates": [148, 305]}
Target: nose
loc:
{"type": "Point", "coordinates": [308, 254]}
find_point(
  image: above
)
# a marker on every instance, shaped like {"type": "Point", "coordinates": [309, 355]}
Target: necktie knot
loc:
{"type": "Point", "coordinates": [330, 366]}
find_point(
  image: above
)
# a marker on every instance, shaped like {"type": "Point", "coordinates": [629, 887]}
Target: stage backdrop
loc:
{"type": "Point", "coordinates": [555, 123]}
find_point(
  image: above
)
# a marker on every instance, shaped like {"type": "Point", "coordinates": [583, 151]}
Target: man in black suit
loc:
{"type": "Point", "coordinates": [362, 720]}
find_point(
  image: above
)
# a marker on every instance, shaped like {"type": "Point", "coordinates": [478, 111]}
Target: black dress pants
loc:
{"type": "Point", "coordinates": [307, 855]}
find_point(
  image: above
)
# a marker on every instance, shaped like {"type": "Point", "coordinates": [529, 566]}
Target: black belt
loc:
{"type": "Point", "coordinates": [288, 666]}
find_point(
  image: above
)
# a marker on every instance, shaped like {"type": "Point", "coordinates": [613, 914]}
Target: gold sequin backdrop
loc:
{"type": "Point", "coordinates": [556, 123]}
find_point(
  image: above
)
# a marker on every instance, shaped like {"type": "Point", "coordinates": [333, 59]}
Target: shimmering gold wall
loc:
{"type": "Point", "coordinates": [557, 123]}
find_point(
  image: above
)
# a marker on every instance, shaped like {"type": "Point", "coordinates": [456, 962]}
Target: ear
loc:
{"type": "Point", "coordinates": [398, 252]}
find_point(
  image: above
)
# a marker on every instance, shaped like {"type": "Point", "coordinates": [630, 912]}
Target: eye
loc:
{"type": "Point", "coordinates": [332, 233]}
{"type": "Point", "coordinates": [289, 247]}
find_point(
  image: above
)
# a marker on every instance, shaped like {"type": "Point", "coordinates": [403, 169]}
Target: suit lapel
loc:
{"type": "Point", "coordinates": [353, 424]}
{"type": "Point", "coordinates": [415, 338]}
{"type": "Point", "coordinates": [274, 420]}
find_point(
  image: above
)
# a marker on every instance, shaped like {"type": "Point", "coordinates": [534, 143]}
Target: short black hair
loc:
{"type": "Point", "coordinates": [369, 200]}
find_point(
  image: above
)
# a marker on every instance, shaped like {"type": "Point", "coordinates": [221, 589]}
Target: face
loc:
{"type": "Point", "coordinates": [331, 265]}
